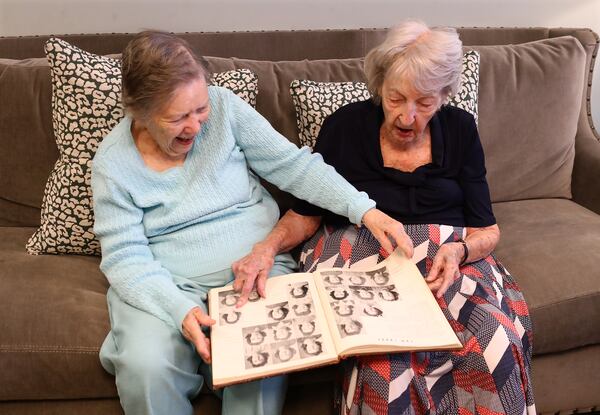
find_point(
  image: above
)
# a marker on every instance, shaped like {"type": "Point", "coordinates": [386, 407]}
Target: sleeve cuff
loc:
{"type": "Point", "coordinates": [359, 207]}
{"type": "Point", "coordinates": [182, 308]}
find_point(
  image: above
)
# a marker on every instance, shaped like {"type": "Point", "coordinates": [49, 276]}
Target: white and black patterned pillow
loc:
{"type": "Point", "coordinates": [242, 82]}
{"type": "Point", "coordinates": [86, 106]}
{"type": "Point", "coordinates": [467, 96]}
{"type": "Point", "coordinates": [315, 101]}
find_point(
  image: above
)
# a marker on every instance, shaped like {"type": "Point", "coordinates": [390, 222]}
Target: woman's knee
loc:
{"type": "Point", "coordinates": [144, 365]}
{"type": "Point", "coordinates": [265, 396]}
{"type": "Point", "coordinates": [151, 378]}
{"type": "Point", "coordinates": [148, 361]}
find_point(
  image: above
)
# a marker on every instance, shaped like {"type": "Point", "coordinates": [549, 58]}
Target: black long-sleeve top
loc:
{"type": "Point", "coordinates": [451, 190]}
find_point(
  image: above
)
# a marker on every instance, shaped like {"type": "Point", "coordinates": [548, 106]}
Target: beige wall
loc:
{"type": "Point", "coordinates": [28, 17]}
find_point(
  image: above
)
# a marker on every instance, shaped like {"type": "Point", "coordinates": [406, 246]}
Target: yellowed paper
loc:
{"type": "Point", "coordinates": [280, 333]}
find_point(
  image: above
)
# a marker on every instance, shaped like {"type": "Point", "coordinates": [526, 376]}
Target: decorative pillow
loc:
{"type": "Point", "coordinates": [86, 106]}
{"type": "Point", "coordinates": [315, 101]}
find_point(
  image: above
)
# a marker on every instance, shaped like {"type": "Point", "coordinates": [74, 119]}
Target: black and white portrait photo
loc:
{"type": "Point", "coordinates": [311, 346]}
{"type": "Point", "coordinates": [380, 276]}
{"type": "Point", "coordinates": [278, 311]}
{"type": "Point", "coordinates": [306, 327]}
{"type": "Point", "coordinates": [255, 336]}
{"type": "Point", "coordinates": [257, 359]}
{"type": "Point", "coordinates": [284, 353]}
{"type": "Point", "coordinates": [230, 317]}
{"type": "Point", "coordinates": [388, 294]}
{"type": "Point", "coordinates": [357, 279]}
{"type": "Point", "coordinates": [343, 308]}
{"type": "Point", "coordinates": [253, 296]}
{"type": "Point", "coordinates": [282, 332]}
{"type": "Point", "coordinates": [364, 293]}
{"type": "Point", "coordinates": [333, 277]}
{"type": "Point", "coordinates": [351, 327]}
{"type": "Point", "coordinates": [299, 290]}
{"type": "Point", "coordinates": [229, 298]}
{"type": "Point", "coordinates": [302, 309]}
{"type": "Point", "coordinates": [372, 310]}
{"type": "Point", "coordinates": [339, 293]}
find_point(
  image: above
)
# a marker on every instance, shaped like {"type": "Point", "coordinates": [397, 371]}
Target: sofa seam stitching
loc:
{"type": "Point", "coordinates": [568, 300]}
{"type": "Point", "coordinates": [26, 348]}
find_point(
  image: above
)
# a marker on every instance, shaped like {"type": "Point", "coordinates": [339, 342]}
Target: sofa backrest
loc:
{"type": "Point", "coordinates": [533, 98]}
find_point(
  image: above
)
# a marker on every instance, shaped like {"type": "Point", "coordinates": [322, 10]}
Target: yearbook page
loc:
{"type": "Point", "coordinates": [384, 308]}
{"type": "Point", "coordinates": [287, 331]}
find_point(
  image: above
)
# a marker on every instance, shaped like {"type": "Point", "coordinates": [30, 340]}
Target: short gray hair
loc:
{"type": "Point", "coordinates": [153, 65]}
{"type": "Point", "coordinates": [428, 58]}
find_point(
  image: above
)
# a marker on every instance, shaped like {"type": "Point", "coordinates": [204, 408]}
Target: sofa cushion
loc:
{"type": "Point", "coordinates": [54, 319]}
{"type": "Point", "coordinates": [315, 101]}
{"type": "Point", "coordinates": [529, 101]}
{"type": "Point", "coordinates": [28, 146]}
{"type": "Point", "coordinates": [551, 246]}
{"type": "Point", "coordinates": [86, 104]}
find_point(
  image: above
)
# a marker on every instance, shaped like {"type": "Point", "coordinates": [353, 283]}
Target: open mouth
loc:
{"type": "Point", "coordinates": [405, 130]}
{"type": "Point", "coordinates": [184, 141]}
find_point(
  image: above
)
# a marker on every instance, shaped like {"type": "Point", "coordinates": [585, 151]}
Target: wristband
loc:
{"type": "Point", "coordinates": [466, 254]}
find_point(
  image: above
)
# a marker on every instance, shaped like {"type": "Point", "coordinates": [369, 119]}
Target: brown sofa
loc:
{"type": "Point", "coordinates": [543, 158]}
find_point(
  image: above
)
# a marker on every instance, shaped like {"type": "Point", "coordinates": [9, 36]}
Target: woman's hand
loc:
{"type": "Point", "coordinates": [384, 227]}
{"type": "Point", "coordinates": [444, 269]}
{"type": "Point", "coordinates": [253, 270]}
{"type": "Point", "coordinates": [193, 333]}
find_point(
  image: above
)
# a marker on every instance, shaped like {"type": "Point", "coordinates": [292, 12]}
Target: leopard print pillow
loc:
{"type": "Point", "coordinates": [315, 101]}
{"type": "Point", "coordinates": [86, 106]}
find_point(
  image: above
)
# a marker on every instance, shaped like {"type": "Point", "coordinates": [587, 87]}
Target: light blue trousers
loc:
{"type": "Point", "coordinates": [158, 371]}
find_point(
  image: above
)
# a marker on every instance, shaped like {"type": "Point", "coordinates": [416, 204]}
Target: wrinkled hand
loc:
{"type": "Point", "coordinates": [252, 270]}
{"type": "Point", "coordinates": [384, 227]}
{"type": "Point", "coordinates": [193, 333]}
{"type": "Point", "coordinates": [444, 269]}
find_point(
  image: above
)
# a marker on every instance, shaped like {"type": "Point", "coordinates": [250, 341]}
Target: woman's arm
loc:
{"type": "Point", "coordinates": [481, 237]}
{"type": "Point", "coordinates": [127, 261]}
{"type": "Point", "coordinates": [297, 171]}
{"type": "Point", "coordinates": [480, 243]}
{"type": "Point", "coordinates": [134, 274]}
{"type": "Point", "coordinates": [291, 230]}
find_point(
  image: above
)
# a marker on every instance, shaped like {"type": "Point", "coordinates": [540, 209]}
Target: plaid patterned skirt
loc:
{"type": "Point", "coordinates": [486, 309]}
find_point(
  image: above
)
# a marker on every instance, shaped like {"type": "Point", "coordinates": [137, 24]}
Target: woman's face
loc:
{"type": "Point", "coordinates": [175, 126]}
{"type": "Point", "coordinates": [407, 112]}
{"type": "Point", "coordinates": [313, 347]}
{"type": "Point", "coordinates": [285, 353]}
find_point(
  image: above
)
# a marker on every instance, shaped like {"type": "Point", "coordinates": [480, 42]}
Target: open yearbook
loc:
{"type": "Point", "coordinates": [318, 318]}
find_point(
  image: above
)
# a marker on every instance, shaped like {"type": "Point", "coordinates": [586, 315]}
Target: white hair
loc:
{"type": "Point", "coordinates": [430, 59]}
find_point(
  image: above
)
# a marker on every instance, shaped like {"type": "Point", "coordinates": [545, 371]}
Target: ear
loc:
{"type": "Point", "coordinates": [139, 122]}
{"type": "Point", "coordinates": [444, 97]}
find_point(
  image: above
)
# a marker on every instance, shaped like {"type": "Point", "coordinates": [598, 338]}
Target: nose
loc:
{"type": "Point", "coordinates": [193, 125]}
{"type": "Point", "coordinates": [407, 114]}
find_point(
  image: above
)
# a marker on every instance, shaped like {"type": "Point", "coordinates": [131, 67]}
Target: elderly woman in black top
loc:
{"type": "Point", "coordinates": [423, 164]}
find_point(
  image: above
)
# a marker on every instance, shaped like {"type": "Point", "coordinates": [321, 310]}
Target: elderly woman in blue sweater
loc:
{"type": "Point", "coordinates": [176, 204]}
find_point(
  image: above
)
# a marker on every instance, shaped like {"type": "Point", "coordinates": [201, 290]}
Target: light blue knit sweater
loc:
{"type": "Point", "coordinates": [198, 218]}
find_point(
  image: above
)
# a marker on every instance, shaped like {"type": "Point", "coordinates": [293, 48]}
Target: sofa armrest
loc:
{"type": "Point", "coordinates": [586, 170]}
